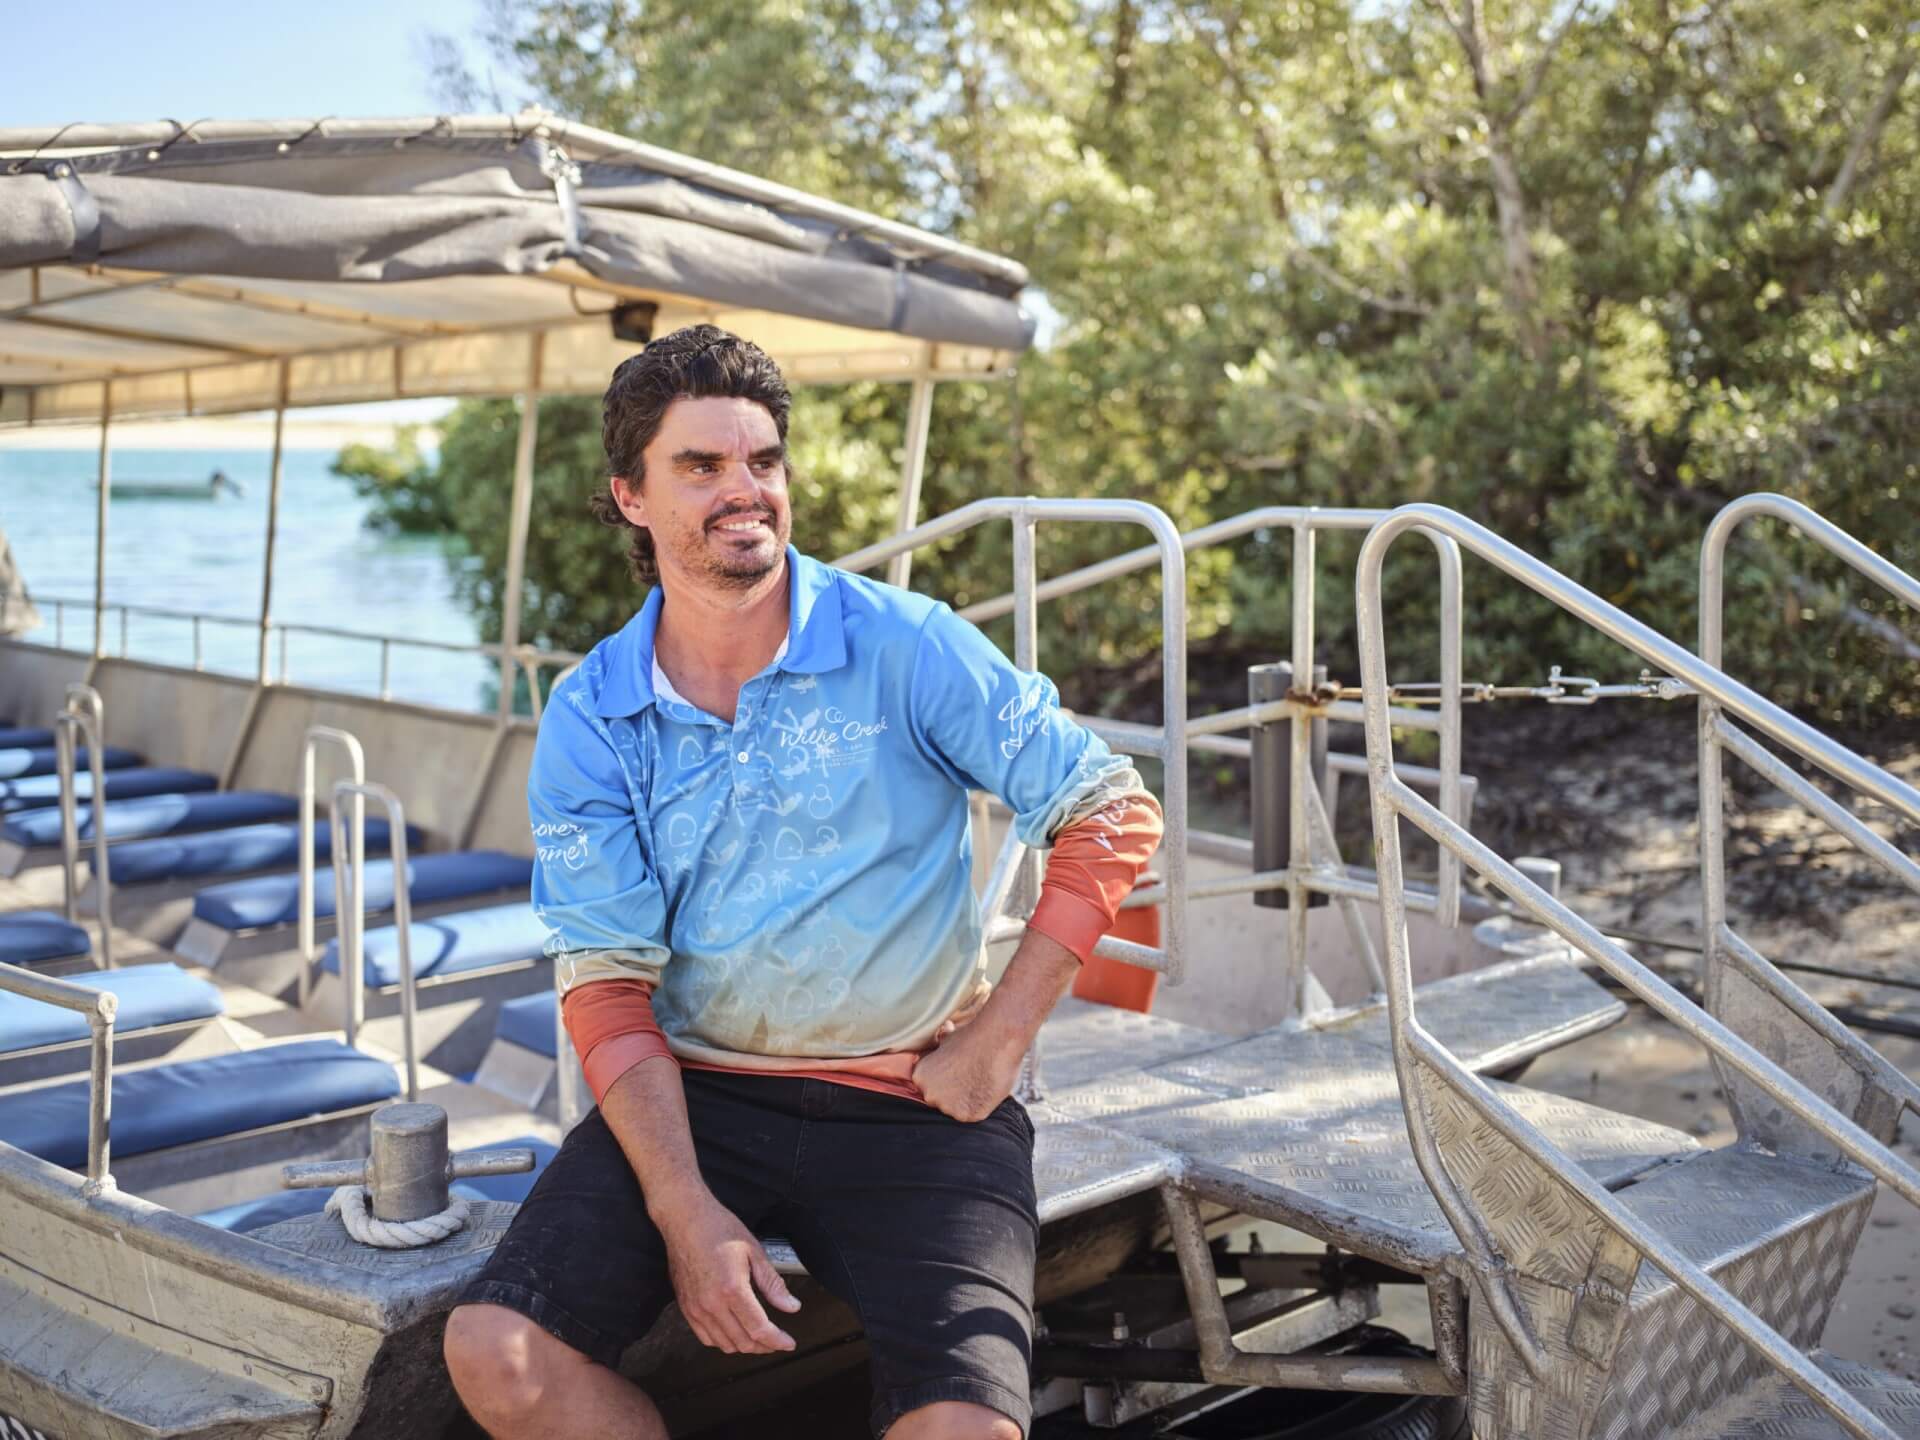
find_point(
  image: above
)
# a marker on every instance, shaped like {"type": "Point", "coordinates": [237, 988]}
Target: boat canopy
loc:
{"type": "Point", "coordinates": [163, 270]}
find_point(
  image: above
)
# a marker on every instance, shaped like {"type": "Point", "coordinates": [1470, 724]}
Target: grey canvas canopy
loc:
{"type": "Point", "coordinates": [234, 266]}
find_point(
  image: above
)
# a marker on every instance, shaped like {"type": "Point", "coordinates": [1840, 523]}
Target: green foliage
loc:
{"type": "Point", "coordinates": [1583, 272]}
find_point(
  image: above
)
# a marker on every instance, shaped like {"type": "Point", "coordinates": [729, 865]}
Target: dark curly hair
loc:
{"type": "Point", "coordinates": [701, 362]}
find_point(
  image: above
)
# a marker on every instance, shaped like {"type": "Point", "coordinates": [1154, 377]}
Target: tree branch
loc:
{"type": "Point", "coordinates": [1867, 138]}
{"type": "Point", "coordinates": [1531, 90]}
{"type": "Point", "coordinates": [1267, 152]}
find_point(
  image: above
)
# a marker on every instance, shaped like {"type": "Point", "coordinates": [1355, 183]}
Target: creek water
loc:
{"type": "Point", "coordinates": [206, 555]}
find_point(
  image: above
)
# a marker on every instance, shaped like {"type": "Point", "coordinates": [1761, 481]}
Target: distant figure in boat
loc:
{"type": "Point", "coordinates": [211, 488]}
{"type": "Point", "coordinates": [17, 615]}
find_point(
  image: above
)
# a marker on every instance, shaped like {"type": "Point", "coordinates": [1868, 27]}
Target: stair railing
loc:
{"type": "Point", "coordinates": [309, 802]}
{"type": "Point", "coordinates": [1533, 1225]}
{"type": "Point", "coordinates": [350, 908]}
{"type": "Point", "coordinates": [83, 715]}
{"type": "Point", "coordinates": [1740, 983]}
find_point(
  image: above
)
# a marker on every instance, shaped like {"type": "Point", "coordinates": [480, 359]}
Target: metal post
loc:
{"type": "Point", "coordinates": [1300, 775]}
{"type": "Point", "coordinates": [1026, 647]}
{"type": "Point", "coordinates": [519, 519]}
{"type": "Point", "coordinates": [309, 799]}
{"type": "Point", "coordinates": [199, 657]}
{"type": "Point", "coordinates": [386, 668]}
{"type": "Point", "coordinates": [273, 528]}
{"type": "Point", "coordinates": [83, 713]}
{"type": "Point", "coordinates": [100, 527]}
{"type": "Point", "coordinates": [1271, 744]}
{"type": "Point", "coordinates": [913, 472]}
{"type": "Point", "coordinates": [350, 908]}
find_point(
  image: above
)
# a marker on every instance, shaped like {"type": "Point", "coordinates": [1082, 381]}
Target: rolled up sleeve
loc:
{"type": "Point", "coordinates": [999, 728]}
{"type": "Point", "coordinates": [593, 885]}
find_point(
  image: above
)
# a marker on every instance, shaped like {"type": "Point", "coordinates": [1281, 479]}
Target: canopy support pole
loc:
{"type": "Point", "coordinates": [518, 523]}
{"type": "Point", "coordinates": [913, 470]}
{"type": "Point", "coordinates": [273, 519]}
{"type": "Point", "coordinates": [100, 528]}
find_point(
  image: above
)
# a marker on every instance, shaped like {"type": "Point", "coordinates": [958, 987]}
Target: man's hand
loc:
{"type": "Point", "coordinates": [972, 1071]}
{"type": "Point", "coordinates": [716, 1265]}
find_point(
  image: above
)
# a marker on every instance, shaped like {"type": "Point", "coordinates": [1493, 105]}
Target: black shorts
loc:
{"type": "Point", "coordinates": [924, 1225]}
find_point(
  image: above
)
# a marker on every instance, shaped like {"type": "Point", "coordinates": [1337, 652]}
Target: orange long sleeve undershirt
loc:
{"type": "Point", "coordinates": [1090, 871]}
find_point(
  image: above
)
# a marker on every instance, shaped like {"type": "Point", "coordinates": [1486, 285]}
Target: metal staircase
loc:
{"type": "Point", "coordinates": [1690, 1300]}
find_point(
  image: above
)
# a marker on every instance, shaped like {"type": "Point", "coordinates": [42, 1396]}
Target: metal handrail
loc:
{"type": "Point", "coordinates": [1302, 876]}
{"type": "Point", "coordinates": [90, 724]}
{"type": "Point", "coordinates": [100, 1007]}
{"type": "Point", "coordinates": [350, 910]}
{"type": "Point", "coordinates": [309, 801]}
{"type": "Point", "coordinates": [1722, 944]}
{"type": "Point", "coordinates": [1168, 742]}
{"type": "Point", "coordinates": [1414, 1048]}
{"type": "Point", "coordinates": [530, 658]}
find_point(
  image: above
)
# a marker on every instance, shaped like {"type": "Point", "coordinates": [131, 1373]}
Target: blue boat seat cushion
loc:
{"type": "Point", "coordinates": [275, 899]}
{"type": "Point", "coordinates": [39, 760]}
{"type": "Point", "coordinates": [30, 936]}
{"type": "Point", "coordinates": [150, 996]}
{"type": "Point", "coordinates": [236, 851]}
{"type": "Point", "coordinates": [39, 792]}
{"type": "Point", "coordinates": [450, 944]}
{"type": "Point", "coordinates": [24, 737]}
{"type": "Point", "coordinates": [152, 815]}
{"type": "Point", "coordinates": [178, 1104]}
{"type": "Point", "coordinates": [528, 1022]}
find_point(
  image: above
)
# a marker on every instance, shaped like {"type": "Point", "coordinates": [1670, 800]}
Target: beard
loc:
{"type": "Point", "coordinates": [731, 562]}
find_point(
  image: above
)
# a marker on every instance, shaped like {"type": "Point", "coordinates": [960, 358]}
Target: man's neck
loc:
{"type": "Point", "coordinates": [711, 640]}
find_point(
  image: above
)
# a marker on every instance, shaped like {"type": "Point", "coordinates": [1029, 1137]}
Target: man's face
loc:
{"type": "Point", "coordinates": [715, 493]}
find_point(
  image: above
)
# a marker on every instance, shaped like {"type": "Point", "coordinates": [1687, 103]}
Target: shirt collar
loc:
{"type": "Point", "coordinates": [816, 638]}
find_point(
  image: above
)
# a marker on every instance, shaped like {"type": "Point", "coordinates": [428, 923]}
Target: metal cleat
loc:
{"type": "Point", "coordinates": [408, 1173]}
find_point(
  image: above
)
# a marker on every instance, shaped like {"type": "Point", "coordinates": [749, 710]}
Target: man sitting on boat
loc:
{"type": "Point", "coordinates": [750, 813]}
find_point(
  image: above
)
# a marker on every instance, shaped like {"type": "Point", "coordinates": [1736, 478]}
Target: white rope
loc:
{"type": "Point", "coordinates": [355, 1208]}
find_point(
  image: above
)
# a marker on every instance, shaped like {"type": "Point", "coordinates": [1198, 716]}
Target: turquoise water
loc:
{"type": "Point", "coordinates": [207, 555]}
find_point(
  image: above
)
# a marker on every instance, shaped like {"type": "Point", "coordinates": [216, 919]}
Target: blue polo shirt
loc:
{"type": "Point", "coordinates": [798, 883]}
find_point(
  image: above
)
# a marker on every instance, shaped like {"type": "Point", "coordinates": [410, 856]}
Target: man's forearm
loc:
{"type": "Point", "coordinates": [646, 1109]}
{"type": "Point", "coordinates": [1041, 971]}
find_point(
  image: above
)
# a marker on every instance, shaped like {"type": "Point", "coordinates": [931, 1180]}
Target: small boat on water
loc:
{"type": "Point", "coordinates": [212, 488]}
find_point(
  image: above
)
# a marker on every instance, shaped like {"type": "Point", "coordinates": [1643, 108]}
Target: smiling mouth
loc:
{"type": "Point", "coordinates": [743, 525]}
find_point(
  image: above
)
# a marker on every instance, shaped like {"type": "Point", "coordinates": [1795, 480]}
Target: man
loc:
{"type": "Point", "coordinates": [750, 809]}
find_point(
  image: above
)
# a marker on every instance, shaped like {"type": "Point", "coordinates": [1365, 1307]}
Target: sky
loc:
{"type": "Point", "coordinates": [118, 60]}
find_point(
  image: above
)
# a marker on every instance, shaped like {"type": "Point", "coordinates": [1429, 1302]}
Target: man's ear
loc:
{"type": "Point", "coordinates": [626, 494]}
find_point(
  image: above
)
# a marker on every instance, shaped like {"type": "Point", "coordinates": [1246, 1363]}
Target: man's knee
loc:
{"type": "Point", "coordinates": [504, 1367]}
{"type": "Point", "coordinates": [953, 1420]}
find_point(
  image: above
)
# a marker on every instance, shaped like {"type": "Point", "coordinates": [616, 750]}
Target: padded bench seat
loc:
{"type": "Point", "coordinates": [528, 1022]}
{"type": "Point", "coordinates": [24, 737]}
{"type": "Point", "coordinates": [449, 944]}
{"type": "Point", "coordinates": [39, 792]}
{"type": "Point", "coordinates": [150, 996]}
{"type": "Point", "coordinates": [40, 760]}
{"type": "Point", "coordinates": [234, 851]}
{"type": "Point", "coordinates": [152, 815]}
{"type": "Point", "coordinates": [275, 899]}
{"type": "Point", "coordinates": [177, 1104]}
{"type": "Point", "coordinates": [30, 936]}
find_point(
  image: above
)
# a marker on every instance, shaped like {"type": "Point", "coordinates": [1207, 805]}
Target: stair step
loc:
{"type": "Point", "coordinates": [1776, 1233]}
{"type": "Point", "coordinates": [1777, 1410]}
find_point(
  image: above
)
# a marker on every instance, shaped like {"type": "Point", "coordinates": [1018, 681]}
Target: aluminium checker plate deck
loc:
{"type": "Point", "coordinates": [1303, 1124]}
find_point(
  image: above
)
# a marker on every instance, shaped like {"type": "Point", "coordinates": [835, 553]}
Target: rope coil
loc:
{"type": "Point", "coordinates": [355, 1208]}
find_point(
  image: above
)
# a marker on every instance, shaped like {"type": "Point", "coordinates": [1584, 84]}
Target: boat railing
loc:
{"type": "Point", "coordinates": [1729, 961]}
{"type": "Point", "coordinates": [1313, 864]}
{"type": "Point", "coordinates": [100, 1008]}
{"type": "Point", "coordinates": [309, 804]}
{"type": "Point", "coordinates": [83, 715]}
{"type": "Point", "coordinates": [1453, 1115]}
{"type": "Point", "coordinates": [350, 908]}
{"type": "Point", "coordinates": [532, 660]}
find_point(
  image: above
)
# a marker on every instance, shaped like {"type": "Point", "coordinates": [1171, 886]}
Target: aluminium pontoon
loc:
{"type": "Point", "coordinates": [151, 1282]}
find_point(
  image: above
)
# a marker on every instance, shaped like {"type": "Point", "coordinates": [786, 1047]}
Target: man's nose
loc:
{"type": "Point", "coordinates": [740, 486]}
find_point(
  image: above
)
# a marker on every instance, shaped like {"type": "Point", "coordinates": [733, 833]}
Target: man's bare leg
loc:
{"type": "Point", "coordinates": [520, 1383]}
{"type": "Point", "coordinates": [953, 1420]}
